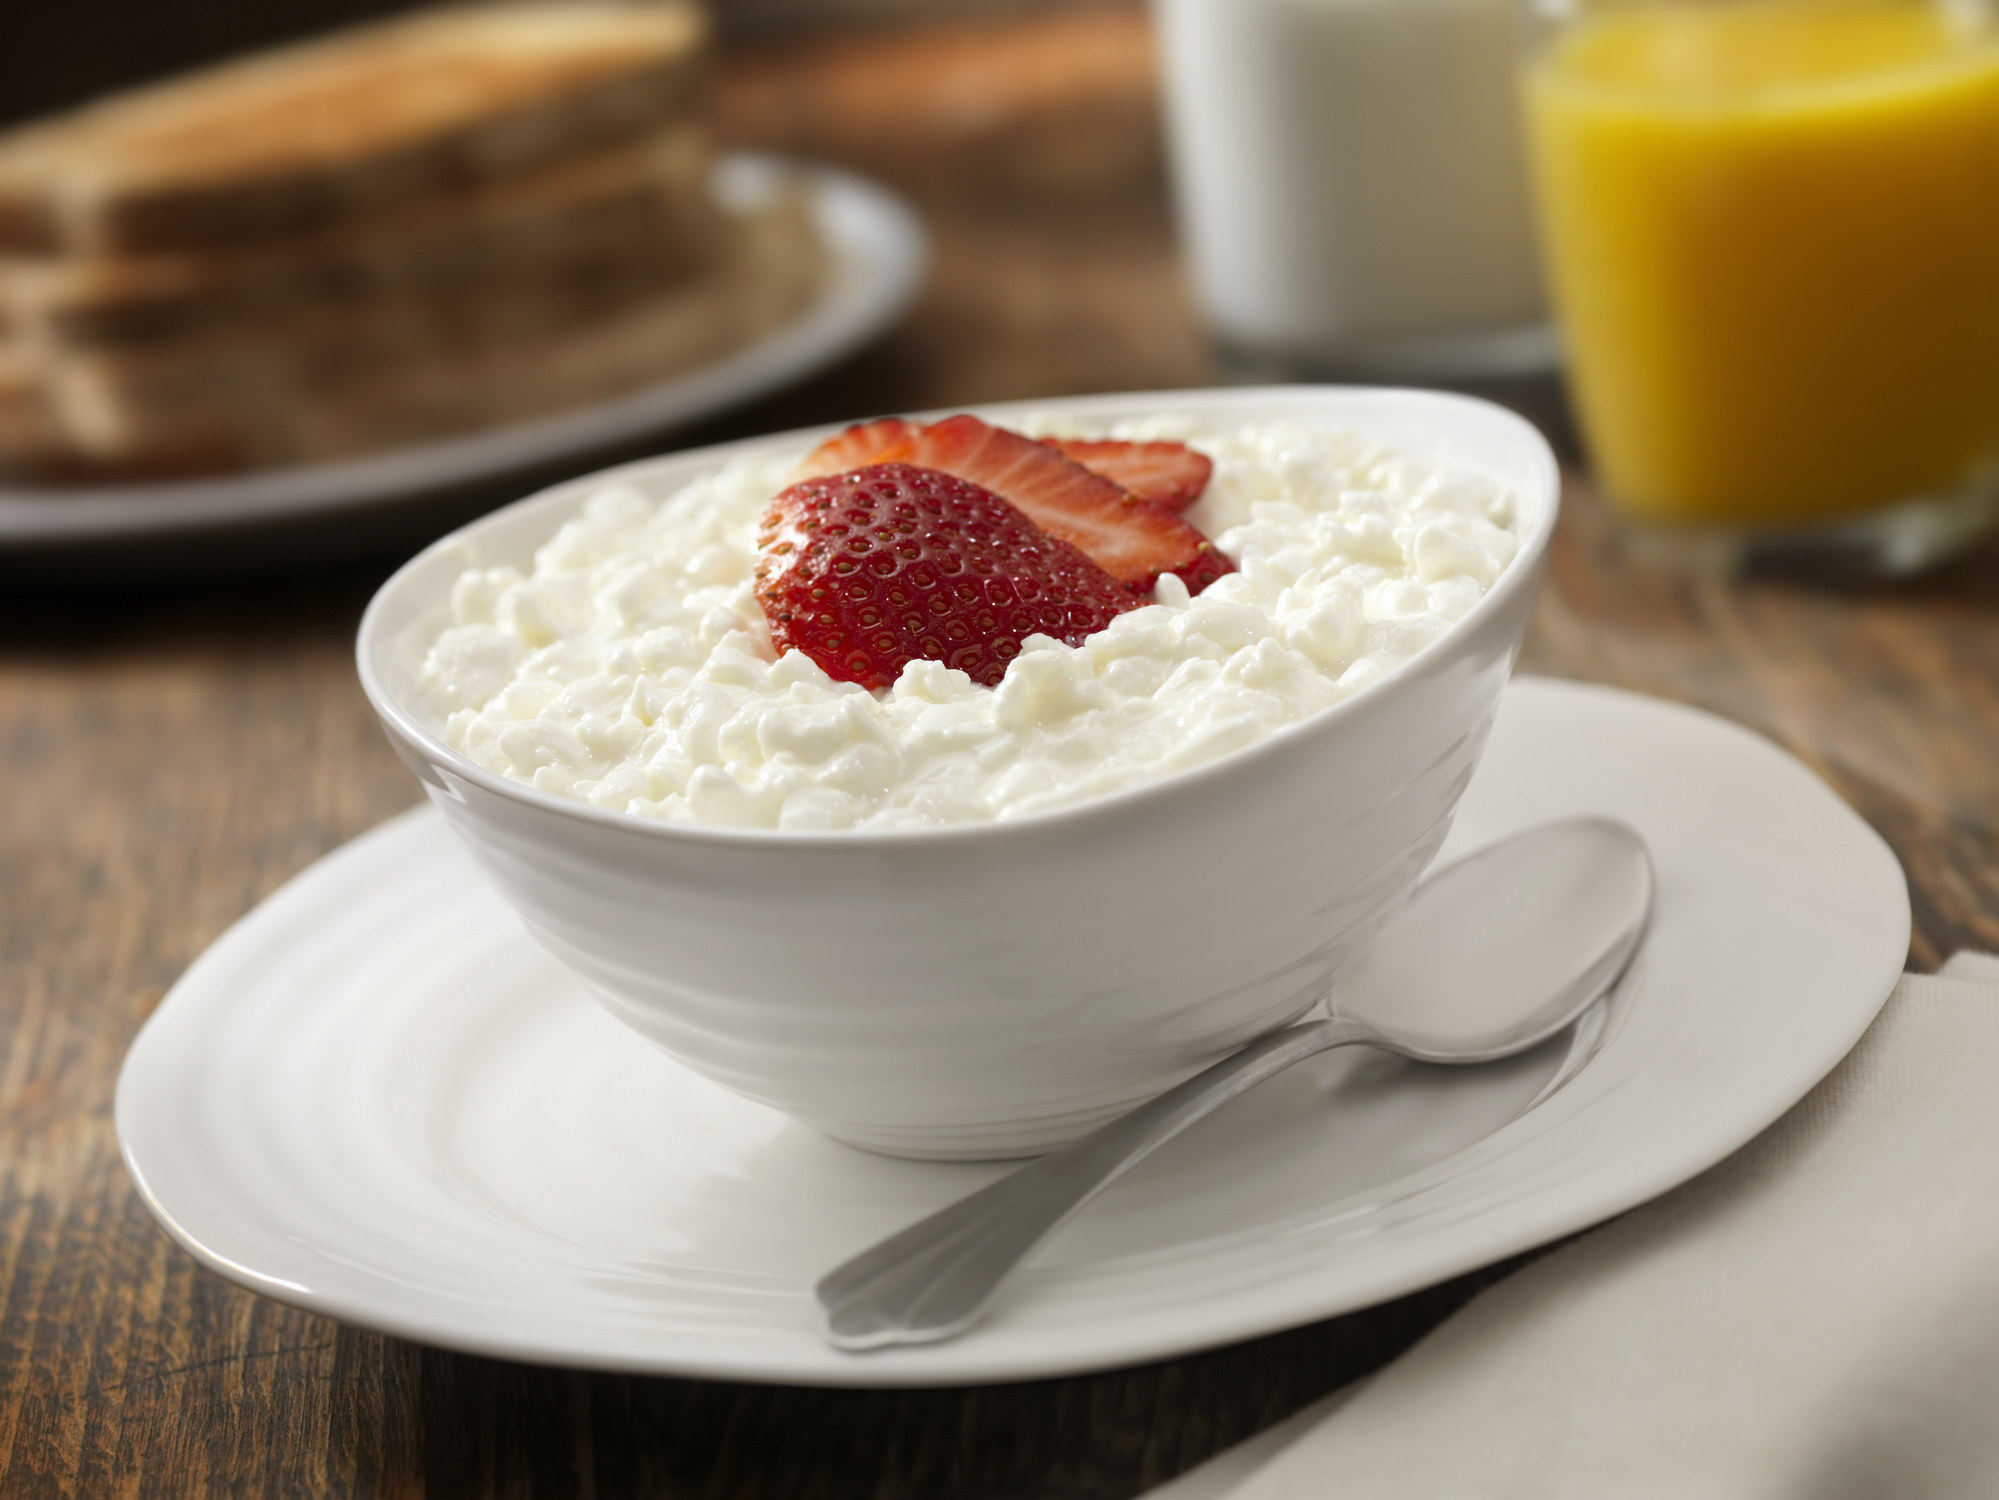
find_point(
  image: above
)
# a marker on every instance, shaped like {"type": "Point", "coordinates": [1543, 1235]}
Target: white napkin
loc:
{"type": "Point", "coordinates": [1814, 1319]}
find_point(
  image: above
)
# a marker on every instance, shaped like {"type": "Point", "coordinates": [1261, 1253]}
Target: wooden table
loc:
{"type": "Point", "coordinates": [173, 753]}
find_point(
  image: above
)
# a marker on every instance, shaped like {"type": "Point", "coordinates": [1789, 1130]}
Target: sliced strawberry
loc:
{"type": "Point", "coordinates": [1168, 474]}
{"type": "Point", "coordinates": [870, 569]}
{"type": "Point", "coordinates": [1131, 539]}
{"type": "Point", "coordinates": [863, 443]}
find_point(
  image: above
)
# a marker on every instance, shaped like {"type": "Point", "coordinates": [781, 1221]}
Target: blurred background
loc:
{"type": "Point", "coordinates": [73, 52]}
{"type": "Point", "coordinates": [1773, 305]}
{"type": "Point", "coordinates": [1026, 137]}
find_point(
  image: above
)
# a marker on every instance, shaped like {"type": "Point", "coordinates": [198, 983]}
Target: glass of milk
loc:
{"type": "Point", "coordinates": [1352, 185]}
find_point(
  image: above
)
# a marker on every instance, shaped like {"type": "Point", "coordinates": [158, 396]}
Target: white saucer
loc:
{"type": "Point", "coordinates": [376, 1098]}
{"type": "Point", "coordinates": [878, 251]}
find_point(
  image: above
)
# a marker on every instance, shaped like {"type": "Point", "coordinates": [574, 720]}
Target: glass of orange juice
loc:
{"type": "Point", "coordinates": [1772, 232]}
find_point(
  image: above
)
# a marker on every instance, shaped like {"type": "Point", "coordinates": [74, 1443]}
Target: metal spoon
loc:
{"type": "Point", "coordinates": [1490, 956]}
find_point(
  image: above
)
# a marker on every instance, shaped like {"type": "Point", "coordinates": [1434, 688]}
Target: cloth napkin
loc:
{"type": "Point", "coordinates": [1817, 1318]}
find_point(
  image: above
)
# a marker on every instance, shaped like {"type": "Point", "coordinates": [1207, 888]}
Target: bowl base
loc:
{"type": "Point", "coordinates": [999, 1142]}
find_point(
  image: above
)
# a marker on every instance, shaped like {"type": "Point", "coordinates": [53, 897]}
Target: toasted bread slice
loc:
{"type": "Point", "coordinates": [358, 122]}
{"type": "Point", "coordinates": [31, 432]}
{"type": "Point", "coordinates": [629, 219]}
{"type": "Point", "coordinates": [343, 385]}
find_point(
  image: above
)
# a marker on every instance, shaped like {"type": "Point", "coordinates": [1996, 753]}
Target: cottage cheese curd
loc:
{"type": "Point", "coordinates": [632, 669]}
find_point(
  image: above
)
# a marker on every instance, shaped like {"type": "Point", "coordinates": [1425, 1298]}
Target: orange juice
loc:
{"type": "Point", "coordinates": [1773, 233]}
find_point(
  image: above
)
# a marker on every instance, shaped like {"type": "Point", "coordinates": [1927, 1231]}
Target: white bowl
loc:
{"type": "Point", "coordinates": [994, 989]}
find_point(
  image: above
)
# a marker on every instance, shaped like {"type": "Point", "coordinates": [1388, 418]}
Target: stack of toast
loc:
{"type": "Point", "coordinates": [404, 232]}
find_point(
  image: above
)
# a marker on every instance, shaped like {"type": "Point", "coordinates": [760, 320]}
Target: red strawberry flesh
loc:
{"type": "Point", "coordinates": [867, 570]}
{"type": "Point", "coordinates": [1133, 540]}
{"type": "Point", "coordinates": [860, 445]}
{"type": "Point", "coordinates": [1168, 474]}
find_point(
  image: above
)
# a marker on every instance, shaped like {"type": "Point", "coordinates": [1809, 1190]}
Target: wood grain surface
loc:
{"type": "Point", "coordinates": [171, 755]}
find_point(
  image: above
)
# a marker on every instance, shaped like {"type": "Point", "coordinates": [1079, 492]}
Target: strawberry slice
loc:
{"type": "Point", "coordinates": [862, 444]}
{"type": "Point", "coordinates": [867, 570]}
{"type": "Point", "coordinates": [1133, 540]}
{"type": "Point", "coordinates": [1168, 474]}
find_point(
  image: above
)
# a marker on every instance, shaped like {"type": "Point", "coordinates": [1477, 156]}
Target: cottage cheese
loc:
{"type": "Point", "coordinates": [632, 669]}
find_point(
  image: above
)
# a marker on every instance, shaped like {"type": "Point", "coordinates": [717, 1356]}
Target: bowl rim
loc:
{"type": "Point", "coordinates": [1522, 573]}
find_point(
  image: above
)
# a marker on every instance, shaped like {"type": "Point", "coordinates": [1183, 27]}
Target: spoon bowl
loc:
{"type": "Point", "coordinates": [1489, 957]}
{"type": "Point", "coordinates": [1505, 947]}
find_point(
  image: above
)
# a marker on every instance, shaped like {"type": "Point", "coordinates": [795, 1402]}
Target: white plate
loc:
{"type": "Point", "coordinates": [878, 252]}
{"type": "Point", "coordinates": [376, 1098]}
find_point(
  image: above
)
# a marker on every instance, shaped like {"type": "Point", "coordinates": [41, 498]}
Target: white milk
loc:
{"type": "Point", "coordinates": [1352, 182]}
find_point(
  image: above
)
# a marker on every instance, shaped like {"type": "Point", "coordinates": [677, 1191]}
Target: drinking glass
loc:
{"type": "Point", "coordinates": [1351, 182]}
{"type": "Point", "coordinates": [1772, 232]}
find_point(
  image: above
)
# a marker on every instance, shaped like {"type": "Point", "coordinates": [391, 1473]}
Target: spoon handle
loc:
{"type": "Point", "coordinates": [935, 1278]}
